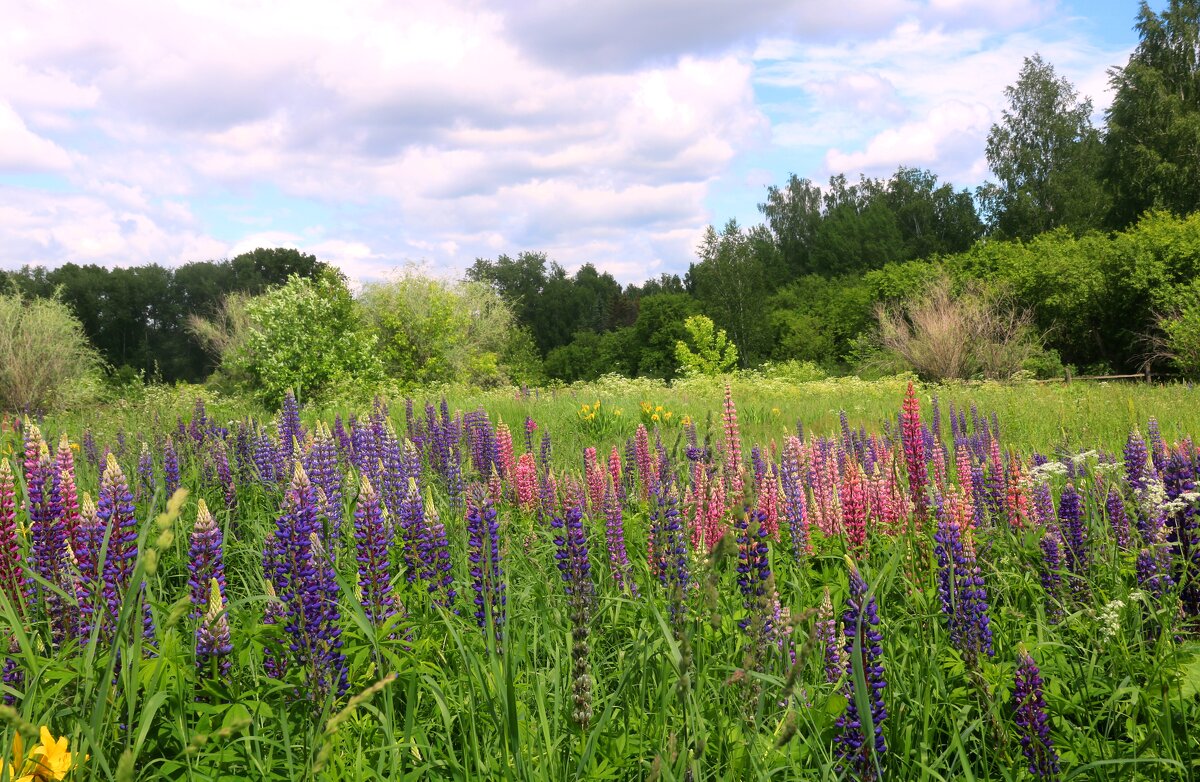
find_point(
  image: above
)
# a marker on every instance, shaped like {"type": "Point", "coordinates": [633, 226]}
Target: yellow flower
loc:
{"type": "Point", "coordinates": [667, 415]}
{"type": "Point", "coordinates": [774, 411]}
{"type": "Point", "coordinates": [686, 420]}
{"type": "Point", "coordinates": [591, 417]}
{"type": "Point", "coordinates": [654, 417]}
{"type": "Point", "coordinates": [50, 760]}
{"type": "Point", "coordinates": [658, 409]}
{"type": "Point", "coordinates": [597, 404]}
{"type": "Point", "coordinates": [616, 411]}
{"type": "Point", "coordinates": [74, 446]}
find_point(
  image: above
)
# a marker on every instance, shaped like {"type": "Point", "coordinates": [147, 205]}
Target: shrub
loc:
{"type": "Point", "coordinates": [710, 352]}
{"type": "Point", "coordinates": [45, 359]}
{"type": "Point", "coordinates": [944, 335]}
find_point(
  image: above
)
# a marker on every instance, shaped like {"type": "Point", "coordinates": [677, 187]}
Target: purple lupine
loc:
{"type": "Point", "coordinates": [576, 568]}
{"type": "Point", "coordinates": [170, 466]}
{"type": "Point", "coordinates": [1029, 707]}
{"type": "Point", "coordinates": [1158, 448]}
{"type": "Point", "coordinates": [1136, 461]}
{"type": "Point", "coordinates": [206, 559]}
{"type": "Point", "coordinates": [266, 459]}
{"type": "Point", "coordinates": [213, 644]}
{"type": "Point", "coordinates": [483, 551]}
{"type": "Point", "coordinates": [275, 659]}
{"type": "Point", "coordinates": [1183, 523]}
{"type": "Point", "coordinates": [1052, 570]}
{"type": "Point", "coordinates": [47, 542]}
{"type": "Point", "coordinates": [754, 571]}
{"type": "Point", "coordinates": [220, 457]}
{"type": "Point", "coordinates": [374, 566]}
{"type": "Point", "coordinates": [89, 581]}
{"type": "Point", "coordinates": [304, 580]}
{"type": "Point", "coordinates": [544, 455]}
{"type": "Point", "coordinates": [321, 465]}
{"type": "Point", "coordinates": [860, 622]}
{"type": "Point", "coordinates": [827, 633]}
{"type": "Point", "coordinates": [145, 474]}
{"type": "Point", "coordinates": [1118, 519]}
{"type": "Point", "coordinates": [670, 556]}
{"type": "Point", "coordinates": [90, 452]}
{"type": "Point", "coordinates": [614, 529]}
{"type": "Point", "coordinates": [434, 555]}
{"type": "Point", "coordinates": [1043, 505]}
{"type": "Point", "coordinates": [1075, 534]}
{"type": "Point", "coordinates": [960, 584]}
{"type": "Point", "coordinates": [795, 511]}
{"type": "Point", "coordinates": [115, 515]}
{"type": "Point", "coordinates": [409, 530]}
{"type": "Point", "coordinates": [12, 675]}
{"type": "Point", "coordinates": [291, 433]}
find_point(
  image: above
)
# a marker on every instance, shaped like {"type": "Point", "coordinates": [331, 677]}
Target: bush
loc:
{"type": "Point", "coordinates": [710, 351]}
{"type": "Point", "coordinates": [305, 336]}
{"type": "Point", "coordinates": [1177, 340]}
{"type": "Point", "coordinates": [45, 359]}
{"type": "Point", "coordinates": [943, 335]}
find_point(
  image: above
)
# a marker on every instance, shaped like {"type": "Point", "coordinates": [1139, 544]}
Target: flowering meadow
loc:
{"type": "Point", "coordinates": [580, 588]}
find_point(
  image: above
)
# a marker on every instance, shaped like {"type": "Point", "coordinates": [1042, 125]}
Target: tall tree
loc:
{"type": "Point", "coordinates": [1152, 148]}
{"type": "Point", "coordinates": [1045, 154]}
{"type": "Point", "coordinates": [730, 282]}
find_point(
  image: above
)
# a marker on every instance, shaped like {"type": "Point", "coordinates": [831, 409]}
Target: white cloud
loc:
{"type": "Point", "coordinates": [22, 150]}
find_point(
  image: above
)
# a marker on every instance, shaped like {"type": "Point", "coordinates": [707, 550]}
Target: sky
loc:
{"type": "Point", "coordinates": [391, 135]}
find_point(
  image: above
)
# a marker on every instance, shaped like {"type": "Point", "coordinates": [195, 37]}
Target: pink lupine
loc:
{"type": "Point", "coordinates": [526, 482]}
{"type": "Point", "coordinates": [644, 466]}
{"type": "Point", "coordinates": [854, 509]}
{"type": "Point", "coordinates": [768, 502]}
{"type": "Point", "coordinates": [1017, 502]}
{"type": "Point", "coordinates": [504, 447]}
{"type": "Point", "coordinates": [913, 438]}
{"type": "Point", "coordinates": [594, 476]}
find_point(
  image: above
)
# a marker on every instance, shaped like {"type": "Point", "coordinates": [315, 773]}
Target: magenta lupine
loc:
{"type": "Point", "coordinates": [374, 567]}
{"type": "Point", "coordinates": [12, 580]}
{"type": "Point", "coordinates": [206, 559]}
{"type": "Point", "coordinates": [507, 460]}
{"type": "Point", "coordinates": [645, 470]}
{"type": "Point", "coordinates": [913, 439]}
{"type": "Point", "coordinates": [594, 476]}
{"type": "Point", "coordinates": [854, 510]}
{"type": "Point", "coordinates": [303, 578]}
{"type": "Point", "coordinates": [861, 753]}
{"type": "Point", "coordinates": [487, 572]}
{"type": "Point", "coordinates": [614, 471]}
{"type": "Point", "coordinates": [1033, 723]}
{"type": "Point", "coordinates": [614, 533]}
{"type": "Point", "coordinates": [526, 482]}
{"type": "Point", "coordinates": [213, 644]}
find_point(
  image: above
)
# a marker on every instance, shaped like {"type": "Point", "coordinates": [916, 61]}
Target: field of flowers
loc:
{"type": "Point", "coordinates": [843, 580]}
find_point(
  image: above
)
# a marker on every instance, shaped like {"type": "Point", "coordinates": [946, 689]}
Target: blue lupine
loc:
{"type": "Point", "coordinates": [213, 643]}
{"type": "Point", "coordinates": [170, 466]}
{"type": "Point", "coordinates": [1029, 707]}
{"type": "Point", "coordinates": [1075, 534]}
{"type": "Point", "coordinates": [115, 513]}
{"type": "Point", "coordinates": [483, 551]}
{"type": "Point", "coordinates": [374, 566]}
{"type": "Point", "coordinates": [860, 622]}
{"type": "Point", "coordinates": [754, 570]}
{"type": "Point", "coordinates": [206, 559]}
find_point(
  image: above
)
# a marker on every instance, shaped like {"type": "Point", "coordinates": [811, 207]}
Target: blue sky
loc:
{"type": "Point", "coordinates": [386, 135]}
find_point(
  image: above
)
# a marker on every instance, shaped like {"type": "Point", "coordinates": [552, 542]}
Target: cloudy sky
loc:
{"type": "Point", "coordinates": [384, 134]}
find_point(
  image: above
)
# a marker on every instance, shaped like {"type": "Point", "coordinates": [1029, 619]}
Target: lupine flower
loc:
{"type": "Point", "coordinates": [614, 529]}
{"type": "Point", "coordinates": [12, 580]}
{"type": "Point", "coordinates": [1118, 519]}
{"type": "Point", "coordinates": [275, 663]}
{"type": "Point", "coordinates": [68, 493]}
{"type": "Point", "coordinates": [145, 473]}
{"type": "Point", "coordinates": [795, 511]}
{"type": "Point", "coordinates": [11, 674]}
{"type": "Point", "coordinates": [434, 554]}
{"type": "Point", "coordinates": [89, 581]}
{"type": "Point", "coordinates": [754, 572]}
{"type": "Point", "coordinates": [668, 551]}
{"type": "Point", "coordinates": [827, 633]}
{"type": "Point", "coordinates": [321, 465]}
{"type": "Point", "coordinates": [857, 754]}
{"type": "Point", "coordinates": [89, 448]}
{"type": "Point", "coordinates": [408, 531]}
{"type": "Point", "coordinates": [854, 510]}
{"type": "Point", "coordinates": [1075, 533]}
{"type": "Point", "coordinates": [1052, 569]}
{"type": "Point", "coordinates": [960, 582]}
{"type": "Point", "coordinates": [645, 470]}
{"type": "Point", "coordinates": [914, 449]}
{"type": "Point", "coordinates": [526, 482]}
{"type": "Point", "coordinates": [115, 512]}
{"type": "Point", "coordinates": [734, 485]}
{"type": "Point", "coordinates": [483, 551]}
{"type": "Point", "coordinates": [220, 456]}
{"type": "Point", "coordinates": [504, 447]}
{"type": "Point", "coordinates": [575, 567]}
{"type": "Point", "coordinates": [1029, 708]}
{"type": "Point", "coordinates": [47, 538]}
{"type": "Point", "coordinates": [1158, 448]}
{"type": "Point", "coordinates": [206, 561]}
{"type": "Point", "coordinates": [170, 466]}
{"type": "Point", "coordinates": [304, 580]}
{"type": "Point", "coordinates": [594, 476]}
{"type": "Point", "coordinates": [212, 635]}
{"type": "Point", "coordinates": [374, 567]}
{"type": "Point", "coordinates": [291, 433]}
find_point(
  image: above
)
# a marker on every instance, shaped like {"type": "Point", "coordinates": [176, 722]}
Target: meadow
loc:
{"type": "Point", "coordinates": [759, 579]}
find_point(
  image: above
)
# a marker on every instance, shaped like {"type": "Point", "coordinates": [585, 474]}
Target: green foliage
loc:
{"type": "Point", "coordinates": [45, 359]}
{"type": "Point", "coordinates": [593, 354]}
{"type": "Point", "coordinates": [1152, 144]}
{"type": "Point", "coordinates": [432, 331]}
{"type": "Point", "coordinates": [1045, 154]}
{"type": "Point", "coordinates": [730, 281]}
{"type": "Point", "coordinates": [305, 335]}
{"type": "Point", "coordinates": [816, 318]}
{"type": "Point", "coordinates": [710, 352]}
{"type": "Point", "coordinates": [659, 326]}
{"type": "Point", "coordinates": [1180, 330]}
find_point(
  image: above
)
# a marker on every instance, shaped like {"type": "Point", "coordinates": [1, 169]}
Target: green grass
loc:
{"type": "Point", "coordinates": [672, 701]}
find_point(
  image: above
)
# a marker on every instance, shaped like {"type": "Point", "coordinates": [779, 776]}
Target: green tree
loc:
{"type": "Point", "coordinates": [659, 326]}
{"type": "Point", "coordinates": [730, 281]}
{"type": "Point", "coordinates": [1045, 155]}
{"type": "Point", "coordinates": [710, 351]}
{"type": "Point", "coordinates": [1152, 146]}
{"type": "Point", "coordinates": [305, 335]}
